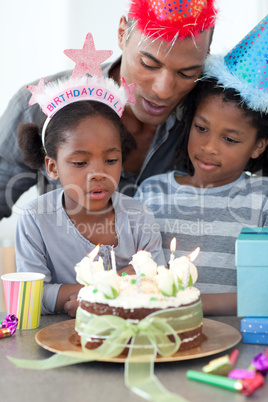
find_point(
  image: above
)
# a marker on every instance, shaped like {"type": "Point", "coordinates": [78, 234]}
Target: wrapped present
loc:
{"type": "Point", "coordinates": [255, 330]}
{"type": "Point", "coordinates": [251, 256]}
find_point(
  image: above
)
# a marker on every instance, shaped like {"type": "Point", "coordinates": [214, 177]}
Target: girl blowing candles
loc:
{"type": "Point", "coordinates": [82, 142]}
{"type": "Point", "coordinates": [225, 134]}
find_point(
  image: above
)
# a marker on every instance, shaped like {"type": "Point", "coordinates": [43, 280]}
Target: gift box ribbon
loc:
{"type": "Point", "coordinates": [147, 338]}
{"type": "Point", "coordinates": [255, 233]}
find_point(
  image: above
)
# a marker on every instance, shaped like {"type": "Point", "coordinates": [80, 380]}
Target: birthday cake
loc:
{"type": "Point", "coordinates": [153, 292]}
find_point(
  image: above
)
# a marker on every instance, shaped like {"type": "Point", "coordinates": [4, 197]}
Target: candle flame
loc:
{"type": "Point", "coordinates": [194, 254]}
{"type": "Point", "coordinates": [94, 252]}
{"type": "Point", "coordinates": [173, 245]}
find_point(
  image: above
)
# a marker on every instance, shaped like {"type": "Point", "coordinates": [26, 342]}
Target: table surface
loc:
{"type": "Point", "coordinates": [101, 381]}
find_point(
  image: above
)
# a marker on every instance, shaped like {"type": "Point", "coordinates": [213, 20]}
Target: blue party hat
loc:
{"type": "Point", "coordinates": [245, 68]}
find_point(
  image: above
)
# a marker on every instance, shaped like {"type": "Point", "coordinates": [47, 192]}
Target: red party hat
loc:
{"type": "Point", "coordinates": [172, 19]}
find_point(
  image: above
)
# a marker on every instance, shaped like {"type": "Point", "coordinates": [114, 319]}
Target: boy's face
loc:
{"type": "Point", "coordinates": [221, 142]}
{"type": "Point", "coordinates": [163, 73]}
{"type": "Point", "coordinates": [88, 165]}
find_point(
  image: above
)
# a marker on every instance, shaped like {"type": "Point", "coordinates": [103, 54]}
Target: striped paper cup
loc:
{"type": "Point", "coordinates": [23, 295]}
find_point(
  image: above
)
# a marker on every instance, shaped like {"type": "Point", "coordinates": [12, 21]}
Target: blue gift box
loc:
{"type": "Point", "coordinates": [255, 330]}
{"type": "Point", "coordinates": [251, 256]}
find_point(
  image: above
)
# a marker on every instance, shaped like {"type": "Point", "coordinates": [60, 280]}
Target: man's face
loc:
{"type": "Point", "coordinates": [163, 74]}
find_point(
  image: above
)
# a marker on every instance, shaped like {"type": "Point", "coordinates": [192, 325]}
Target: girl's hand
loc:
{"type": "Point", "coordinates": [71, 305]}
{"type": "Point", "coordinates": [129, 270]}
{"type": "Point", "coordinates": [66, 300]}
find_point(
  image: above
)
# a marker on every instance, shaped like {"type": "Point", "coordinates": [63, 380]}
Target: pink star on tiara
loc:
{"type": "Point", "coordinates": [129, 90]}
{"type": "Point", "coordinates": [88, 59]}
{"type": "Point", "coordinates": [36, 89]}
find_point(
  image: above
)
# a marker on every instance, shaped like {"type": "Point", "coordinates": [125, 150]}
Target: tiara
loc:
{"type": "Point", "coordinates": [53, 96]}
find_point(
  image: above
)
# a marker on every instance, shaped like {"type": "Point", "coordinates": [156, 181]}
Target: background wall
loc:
{"type": "Point", "coordinates": [34, 33]}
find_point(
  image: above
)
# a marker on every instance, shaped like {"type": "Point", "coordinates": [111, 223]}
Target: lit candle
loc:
{"type": "Point", "coordinates": [191, 257]}
{"type": "Point", "coordinates": [187, 274]}
{"type": "Point", "coordinates": [94, 252]}
{"type": "Point", "coordinates": [113, 260]}
{"type": "Point", "coordinates": [92, 256]}
{"type": "Point", "coordinates": [173, 245]}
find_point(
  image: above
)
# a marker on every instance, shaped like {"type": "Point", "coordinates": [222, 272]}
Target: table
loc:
{"type": "Point", "coordinates": [100, 381]}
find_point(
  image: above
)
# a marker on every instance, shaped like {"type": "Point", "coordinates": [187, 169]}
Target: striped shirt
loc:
{"type": "Point", "coordinates": [211, 218]}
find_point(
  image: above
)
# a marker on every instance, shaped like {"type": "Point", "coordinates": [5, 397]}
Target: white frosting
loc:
{"type": "Point", "coordinates": [166, 281]}
{"type": "Point", "coordinates": [190, 339]}
{"type": "Point", "coordinates": [130, 299]}
{"type": "Point", "coordinates": [180, 265]}
{"type": "Point", "coordinates": [107, 283]}
{"type": "Point", "coordinates": [143, 261]}
{"type": "Point", "coordinates": [85, 268]}
{"type": "Point", "coordinates": [185, 340]}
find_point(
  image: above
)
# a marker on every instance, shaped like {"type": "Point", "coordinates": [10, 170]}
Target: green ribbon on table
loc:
{"type": "Point", "coordinates": [145, 340]}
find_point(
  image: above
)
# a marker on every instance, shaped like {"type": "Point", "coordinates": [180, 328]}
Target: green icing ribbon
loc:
{"type": "Point", "coordinates": [144, 339]}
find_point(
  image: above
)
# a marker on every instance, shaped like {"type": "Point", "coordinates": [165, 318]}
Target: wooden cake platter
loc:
{"type": "Point", "coordinates": [217, 337]}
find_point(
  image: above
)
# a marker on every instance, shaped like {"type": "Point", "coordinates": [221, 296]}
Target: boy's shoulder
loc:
{"type": "Point", "coordinates": [160, 183]}
{"type": "Point", "coordinates": [162, 177]}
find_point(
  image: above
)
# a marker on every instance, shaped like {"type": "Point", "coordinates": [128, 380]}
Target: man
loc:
{"type": "Point", "coordinates": [163, 50]}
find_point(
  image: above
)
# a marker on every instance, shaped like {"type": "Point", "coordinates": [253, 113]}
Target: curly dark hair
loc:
{"type": "Point", "coordinates": [209, 87]}
{"type": "Point", "coordinates": [29, 135]}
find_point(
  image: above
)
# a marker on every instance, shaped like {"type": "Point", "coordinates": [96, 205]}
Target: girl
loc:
{"type": "Point", "coordinates": [83, 143]}
{"type": "Point", "coordinates": [225, 135]}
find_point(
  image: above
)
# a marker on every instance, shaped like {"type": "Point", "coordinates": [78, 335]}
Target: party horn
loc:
{"type": "Point", "coordinates": [247, 386]}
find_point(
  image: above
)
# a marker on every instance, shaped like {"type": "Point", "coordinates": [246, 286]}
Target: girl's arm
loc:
{"type": "Point", "coordinates": [128, 269]}
{"type": "Point", "coordinates": [32, 256]}
{"type": "Point", "coordinates": [219, 303]}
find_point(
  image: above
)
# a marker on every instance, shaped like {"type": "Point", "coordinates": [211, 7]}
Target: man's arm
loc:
{"type": "Point", "coordinates": [15, 176]}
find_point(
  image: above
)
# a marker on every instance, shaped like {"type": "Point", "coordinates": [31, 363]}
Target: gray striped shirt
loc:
{"type": "Point", "coordinates": [211, 218]}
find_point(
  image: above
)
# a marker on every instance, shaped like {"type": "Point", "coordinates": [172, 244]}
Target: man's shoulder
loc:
{"type": "Point", "coordinates": [20, 100]}
{"type": "Point", "coordinates": [23, 94]}
{"type": "Point", "coordinates": [53, 77]}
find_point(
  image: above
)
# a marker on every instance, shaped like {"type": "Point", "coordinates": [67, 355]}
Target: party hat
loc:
{"type": "Point", "coordinates": [170, 20]}
{"type": "Point", "coordinates": [53, 96]}
{"type": "Point", "coordinates": [245, 68]}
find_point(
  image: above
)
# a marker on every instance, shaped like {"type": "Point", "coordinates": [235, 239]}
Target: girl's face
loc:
{"type": "Point", "coordinates": [88, 165]}
{"type": "Point", "coordinates": [221, 142]}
